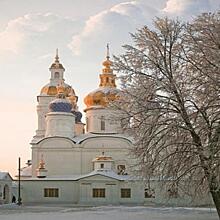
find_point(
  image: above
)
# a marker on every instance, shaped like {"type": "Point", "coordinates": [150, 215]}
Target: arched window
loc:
{"type": "Point", "coordinates": [6, 194]}
{"type": "Point", "coordinates": [56, 75]}
{"type": "Point", "coordinates": [87, 124]}
{"type": "Point", "coordinates": [102, 123]}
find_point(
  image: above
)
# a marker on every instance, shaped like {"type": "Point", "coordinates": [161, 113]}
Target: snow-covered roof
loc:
{"type": "Point", "coordinates": [26, 171]}
{"type": "Point", "coordinates": [105, 90]}
{"type": "Point", "coordinates": [108, 173]}
{"type": "Point", "coordinates": [105, 173]}
{"type": "Point", "coordinates": [45, 138]}
{"type": "Point", "coordinates": [79, 139]}
{"type": "Point", "coordinates": [4, 175]}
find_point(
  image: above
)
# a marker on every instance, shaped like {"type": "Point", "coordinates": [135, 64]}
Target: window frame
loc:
{"type": "Point", "coordinates": [51, 192]}
{"type": "Point", "coordinates": [98, 193]}
{"type": "Point", "coordinates": [102, 123]}
{"type": "Point", "coordinates": [125, 193]}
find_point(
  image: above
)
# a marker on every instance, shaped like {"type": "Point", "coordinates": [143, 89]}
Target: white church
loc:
{"type": "Point", "coordinates": [90, 163]}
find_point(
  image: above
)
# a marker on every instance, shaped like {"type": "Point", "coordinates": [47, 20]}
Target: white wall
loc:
{"type": "Point", "coordinates": [3, 183]}
{"type": "Point", "coordinates": [117, 148]}
{"type": "Point", "coordinates": [112, 125]}
{"type": "Point", "coordinates": [81, 192]}
{"type": "Point", "coordinates": [33, 191]}
{"type": "Point", "coordinates": [61, 156]}
{"type": "Point", "coordinates": [42, 110]}
{"type": "Point", "coordinates": [60, 124]}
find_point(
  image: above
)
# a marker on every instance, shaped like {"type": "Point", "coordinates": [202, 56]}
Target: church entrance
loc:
{"type": "Point", "coordinates": [6, 195]}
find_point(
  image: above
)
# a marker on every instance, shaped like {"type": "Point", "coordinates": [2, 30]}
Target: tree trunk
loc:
{"type": "Point", "coordinates": [216, 199]}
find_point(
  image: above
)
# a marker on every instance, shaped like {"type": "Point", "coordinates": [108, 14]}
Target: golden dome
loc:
{"type": "Point", "coordinates": [51, 90]}
{"type": "Point", "coordinates": [60, 89]}
{"type": "Point", "coordinates": [107, 91]}
{"type": "Point", "coordinates": [56, 66]}
{"type": "Point", "coordinates": [101, 97]}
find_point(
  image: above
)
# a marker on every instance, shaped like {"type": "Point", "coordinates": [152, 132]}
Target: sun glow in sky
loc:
{"type": "Point", "coordinates": [30, 32]}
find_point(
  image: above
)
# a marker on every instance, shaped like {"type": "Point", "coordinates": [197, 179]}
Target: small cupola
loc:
{"type": "Point", "coordinates": [103, 163]}
{"type": "Point", "coordinates": [57, 75]}
{"type": "Point", "coordinates": [41, 171]}
{"type": "Point", "coordinates": [107, 91]}
{"type": "Point", "coordinates": [56, 64]}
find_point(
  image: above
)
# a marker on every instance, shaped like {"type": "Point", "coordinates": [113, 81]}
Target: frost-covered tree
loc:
{"type": "Point", "coordinates": [171, 83]}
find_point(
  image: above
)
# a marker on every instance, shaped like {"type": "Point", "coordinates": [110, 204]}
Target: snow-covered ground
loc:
{"type": "Point", "coordinates": [13, 212]}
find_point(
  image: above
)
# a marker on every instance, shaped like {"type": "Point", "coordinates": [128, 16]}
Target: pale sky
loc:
{"type": "Point", "coordinates": [30, 32]}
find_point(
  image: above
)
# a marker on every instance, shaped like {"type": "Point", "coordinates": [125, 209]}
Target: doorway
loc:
{"type": "Point", "coordinates": [6, 195]}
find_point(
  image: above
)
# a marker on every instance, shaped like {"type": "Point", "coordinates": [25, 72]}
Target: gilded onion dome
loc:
{"type": "Point", "coordinates": [107, 91]}
{"type": "Point", "coordinates": [51, 90]}
{"type": "Point", "coordinates": [57, 71]}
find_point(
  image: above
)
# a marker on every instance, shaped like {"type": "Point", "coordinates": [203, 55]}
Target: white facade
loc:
{"type": "Point", "coordinates": [101, 120]}
{"type": "Point", "coordinates": [70, 165]}
{"type": "Point", "coordinates": [60, 124]}
{"type": "Point", "coordinates": [5, 188]}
